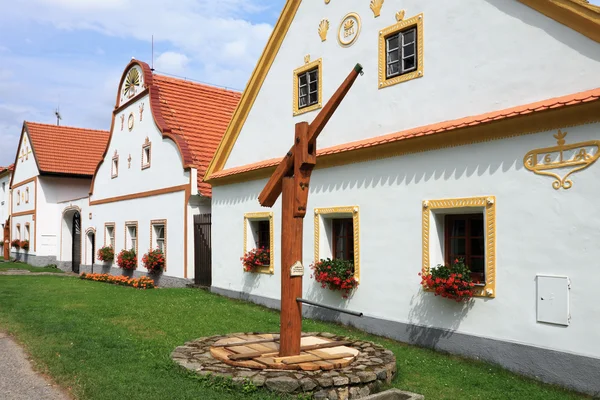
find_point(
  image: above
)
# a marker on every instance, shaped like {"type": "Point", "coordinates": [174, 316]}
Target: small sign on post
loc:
{"type": "Point", "coordinates": [297, 269]}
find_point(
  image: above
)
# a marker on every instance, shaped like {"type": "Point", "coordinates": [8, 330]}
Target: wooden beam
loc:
{"type": "Point", "coordinates": [256, 354]}
{"type": "Point", "coordinates": [272, 189]}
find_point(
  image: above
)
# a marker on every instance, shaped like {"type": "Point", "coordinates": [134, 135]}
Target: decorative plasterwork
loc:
{"type": "Point", "coordinates": [122, 120]}
{"type": "Point", "coordinates": [132, 83]}
{"type": "Point", "coordinates": [487, 205]}
{"type": "Point", "coordinates": [349, 29]}
{"type": "Point", "coordinates": [130, 121]}
{"type": "Point", "coordinates": [400, 15]}
{"type": "Point", "coordinates": [307, 67]}
{"type": "Point", "coordinates": [576, 156]}
{"type": "Point", "coordinates": [376, 7]}
{"type": "Point", "coordinates": [416, 21]}
{"type": "Point", "coordinates": [141, 111]}
{"type": "Point", "coordinates": [261, 216]}
{"type": "Point", "coordinates": [129, 161]}
{"type": "Point", "coordinates": [333, 212]}
{"type": "Point", "coordinates": [323, 29]}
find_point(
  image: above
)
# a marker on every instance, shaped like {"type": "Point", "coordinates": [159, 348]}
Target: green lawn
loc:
{"type": "Point", "coordinates": [11, 265]}
{"type": "Point", "coordinates": [112, 342]}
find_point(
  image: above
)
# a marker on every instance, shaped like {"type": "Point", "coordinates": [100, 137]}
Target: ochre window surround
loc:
{"type": "Point", "coordinates": [107, 238]}
{"type": "Point", "coordinates": [415, 22]}
{"type": "Point", "coordinates": [154, 240]}
{"type": "Point", "coordinates": [129, 225]}
{"type": "Point", "coordinates": [317, 64]}
{"type": "Point", "coordinates": [322, 214]}
{"type": "Point", "coordinates": [114, 169]}
{"type": "Point", "coordinates": [433, 217]}
{"type": "Point", "coordinates": [249, 219]}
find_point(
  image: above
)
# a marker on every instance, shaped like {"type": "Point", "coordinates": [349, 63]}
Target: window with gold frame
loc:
{"type": "Point", "coordinates": [435, 215]}
{"type": "Point", "coordinates": [401, 52]}
{"type": "Point", "coordinates": [259, 232]}
{"type": "Point", "coordinates": [308, 87]}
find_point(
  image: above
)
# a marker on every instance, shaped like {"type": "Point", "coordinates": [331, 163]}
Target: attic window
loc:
{"type": "Point", "coordinates": [401, 52]}
{"type": "Point", "coordinates": [114, 172]}
{"type": "Point", "coordinates": [146, 154]}
{"type": "Point", "coordinates": [308, 87]}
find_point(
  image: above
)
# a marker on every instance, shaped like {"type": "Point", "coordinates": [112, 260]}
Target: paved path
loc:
{"type": "Point", "coordinates": [18, 381]}
{"type": "Point", "coordinates": [26, 272]}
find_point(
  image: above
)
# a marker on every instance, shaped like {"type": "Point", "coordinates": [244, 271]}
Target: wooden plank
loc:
{"type": "Point", "coordinates": [326, 365]}
{"type": "Point", "coordinates": [273, 188]}
{"type": "Point", "coordinates": [303, 348]}
{"type": "Point", "coordinates": [220, 353]}
{"type": "Point", "coordinates": [241, 349]}
{"type": "Point", "coordinates": [261, 347]}
{"type": "Point", "coordinates": [309, 367]}
{"type": "Point", "coordinates": [314, 357]}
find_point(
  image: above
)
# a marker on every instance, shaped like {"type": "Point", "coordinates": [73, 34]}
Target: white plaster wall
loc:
{"type": "Point", "coordinates": [19, 198]}
{"type": "Point", "coordinates": [167, 206]}
{"type": "Point", "coordinates": [166, 168]}
{"type": "Point", "coordinates": [22, 220]}
{"type": "Point", "coordinates": [4, 198]}
{"type": "Point", "coordinates": [479, 56]}
{"type": "Point", "coordinates": [539, 231]}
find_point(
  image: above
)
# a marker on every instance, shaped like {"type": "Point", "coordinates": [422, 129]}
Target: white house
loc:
{"type": "Point", "coordinates": [53, 164]}
{"type": "Point", "coordinates": [473, 133]}
{"type": "Point", "coordinates": [148, 188]}
{"type": "Point", "coordinates": [5, 175]}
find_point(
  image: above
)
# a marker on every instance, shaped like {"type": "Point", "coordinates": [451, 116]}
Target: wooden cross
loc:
{"type": "Point", "coordinates": [291, 179]}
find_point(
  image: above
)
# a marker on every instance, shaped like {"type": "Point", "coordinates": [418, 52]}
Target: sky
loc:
{"type": "Point", "coordinates": [71, 53]}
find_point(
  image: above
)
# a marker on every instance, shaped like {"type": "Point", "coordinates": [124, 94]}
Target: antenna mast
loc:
{"type": "Point", "coordinates": [152, 64]}
{"type": "Point", "coordinates": [58, 117]}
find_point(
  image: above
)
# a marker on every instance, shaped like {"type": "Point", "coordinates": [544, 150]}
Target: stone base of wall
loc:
{"type": "Point", "coordinates": [36, 261]}
{"type": "Point", "coordinates": [573, 371]}
{"type": "Point", "coordinates": [161, 280]}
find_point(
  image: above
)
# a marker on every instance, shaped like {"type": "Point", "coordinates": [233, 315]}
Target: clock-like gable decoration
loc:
{"type": "Point", "coordinates": [132, 85]}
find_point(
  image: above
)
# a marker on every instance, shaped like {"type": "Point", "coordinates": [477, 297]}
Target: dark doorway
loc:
{"type": "Point", "coordinates": [93, 255]}
{"type": "Point", "coordinates": [202, 250]}
{"type": "Point", "coordinates": [76, 251]}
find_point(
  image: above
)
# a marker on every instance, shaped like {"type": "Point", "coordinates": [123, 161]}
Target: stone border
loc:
{"type": "Point", "coordinates": [374, 367]}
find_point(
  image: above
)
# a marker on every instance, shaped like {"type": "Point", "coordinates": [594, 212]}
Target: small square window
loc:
{"type": "Point", "coordinates": [465, 239]}
{"type": "Point", "coordinates": [109, 236]}
{"type": "Point", "coordinates": [158, 236]}
{"type": "Point", "coordinates": [343, 239]}
{"type": "Point", "coordinates": [131, 236]}
{"type": "Point", "coordinates": [401, 52]}
{"type": "Point", "coordinates": [115, 167]}
{"type": "Point", "coordinates": [308, 87]}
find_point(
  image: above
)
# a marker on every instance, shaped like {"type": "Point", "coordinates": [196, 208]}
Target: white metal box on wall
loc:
{"type": "Point", "coordinates": [553, 299]}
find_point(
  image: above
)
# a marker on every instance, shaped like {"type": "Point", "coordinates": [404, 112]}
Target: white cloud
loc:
{"type": "Point", "coordinates": [172, 63]}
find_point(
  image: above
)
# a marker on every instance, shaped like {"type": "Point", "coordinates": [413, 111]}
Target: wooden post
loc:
{"type": "Point", "coordinates": [7, 240]}
{"type": "Point", "coordinates": [291, 286]}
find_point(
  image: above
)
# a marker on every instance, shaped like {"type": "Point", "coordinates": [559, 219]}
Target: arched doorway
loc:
{"type": "Point", "coordinates": [76, 242]}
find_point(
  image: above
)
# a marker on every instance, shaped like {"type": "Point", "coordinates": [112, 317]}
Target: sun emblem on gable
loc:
{"type": "Point", "coordinates": [132, 82]}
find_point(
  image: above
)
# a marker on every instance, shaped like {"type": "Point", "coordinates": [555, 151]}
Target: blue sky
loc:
{"type": "Point", "coordinates": [72, 53]}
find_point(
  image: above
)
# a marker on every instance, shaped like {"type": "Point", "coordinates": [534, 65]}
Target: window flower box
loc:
{"type": "Point", "coordinates": [154, 261]}
{"type": "Point", "coordinates": [25, 245]}
{"type": "Point", "coordinates": [16, 244]}
{"type": "Point", "coordinates": [256, 258]}
{"type": "Point", "coordinates": [452, 282]}
{"type": "Point", "coordinates": [336, 275]}
{"type": "Point", "coordinates": [106, 254]}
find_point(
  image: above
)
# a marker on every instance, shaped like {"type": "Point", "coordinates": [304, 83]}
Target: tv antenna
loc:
{"type": "Point", "coordinates": [152, 62]}
{"type": "Point", "coordinates": [58, 116]}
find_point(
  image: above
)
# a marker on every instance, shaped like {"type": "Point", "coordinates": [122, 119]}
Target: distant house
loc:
{"type": "Point", "coordinates": [5, 175]}
{"type": "Point", "coordinates": [147, 188]}
{"type": "Point", "coordinates": [473, 134]}
{"type": "Point", "coordinates": [53, 164]}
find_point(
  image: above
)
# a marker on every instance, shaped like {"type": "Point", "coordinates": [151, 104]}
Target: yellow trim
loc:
{"type": "Point", "coordinates": [341, 211]}
{"type": "Point", "coordinates": [253, 87]}
{"type": "Point", "coordinates": [578, 15]}
{"type": "Point", "coordinates": [417, 22]}
{"type": "Point", "coordinates": [485, 203]}
{"type": "Point", "coordinates": [261, 216]}
{"type": "Point", "coordinates": [307, 67]}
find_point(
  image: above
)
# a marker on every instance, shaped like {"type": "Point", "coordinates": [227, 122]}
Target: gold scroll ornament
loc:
{"type": "Point", "coordinates": [542, 162]}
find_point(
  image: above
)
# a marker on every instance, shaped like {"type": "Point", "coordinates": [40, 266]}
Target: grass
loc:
{"type": "Point", "coordinates": [12, 265]}
{"type": "Point", "coordinates": [111, 342]}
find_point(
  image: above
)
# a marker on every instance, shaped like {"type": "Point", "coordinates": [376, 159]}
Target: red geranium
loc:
{"type": "Point", "coordinates": [106, 253]}
{"type": "Point", "coordinates": [154, 260]}
{"type": "Point", "coordinates": [335, 274]}
{"type": "Point", "coordinates": [24, 244]}
{"type": "Point", "coordinates": [16, 244]}
{"type": "Point", "coordinates": [256, 258]}
{"type": "Point", "coordinates": [453, 282]}
{"type": "Point", "coordinates": [127, 259]}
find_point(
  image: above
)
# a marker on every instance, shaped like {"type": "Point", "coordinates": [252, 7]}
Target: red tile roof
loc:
{"type": "Point", "coordinates": [66, 150]}
{"type": "Point", "coordinates": [557, 102]}
{"type": "Point", "coordinates": [197, 113]}
{"type": "Point", "coordinates": [10, 168]}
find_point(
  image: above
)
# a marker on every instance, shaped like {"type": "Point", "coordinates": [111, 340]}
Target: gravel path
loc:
{"type": "Point", "coordinates": [26, 272]}
{"type": "Point", "coordinates": [18, 381]}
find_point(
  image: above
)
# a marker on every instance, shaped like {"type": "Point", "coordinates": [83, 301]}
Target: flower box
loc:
{"type": "Point", "coordinates": [16, 244]}
{"type": "Point", "coordinates": [106, 253]}
{"type": "Point", "coordinates": [24, 244]}
{"type": "Point", "coordinates": [127, 259]}
{"type": "Point", "coordinates": [452, 282]}
{"type": "Point", "coordinates": [256, 258]}
{"type": "Point", "coordinates": [335, 274]}
{"type": "Point", "coordinates": [154, 261]}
